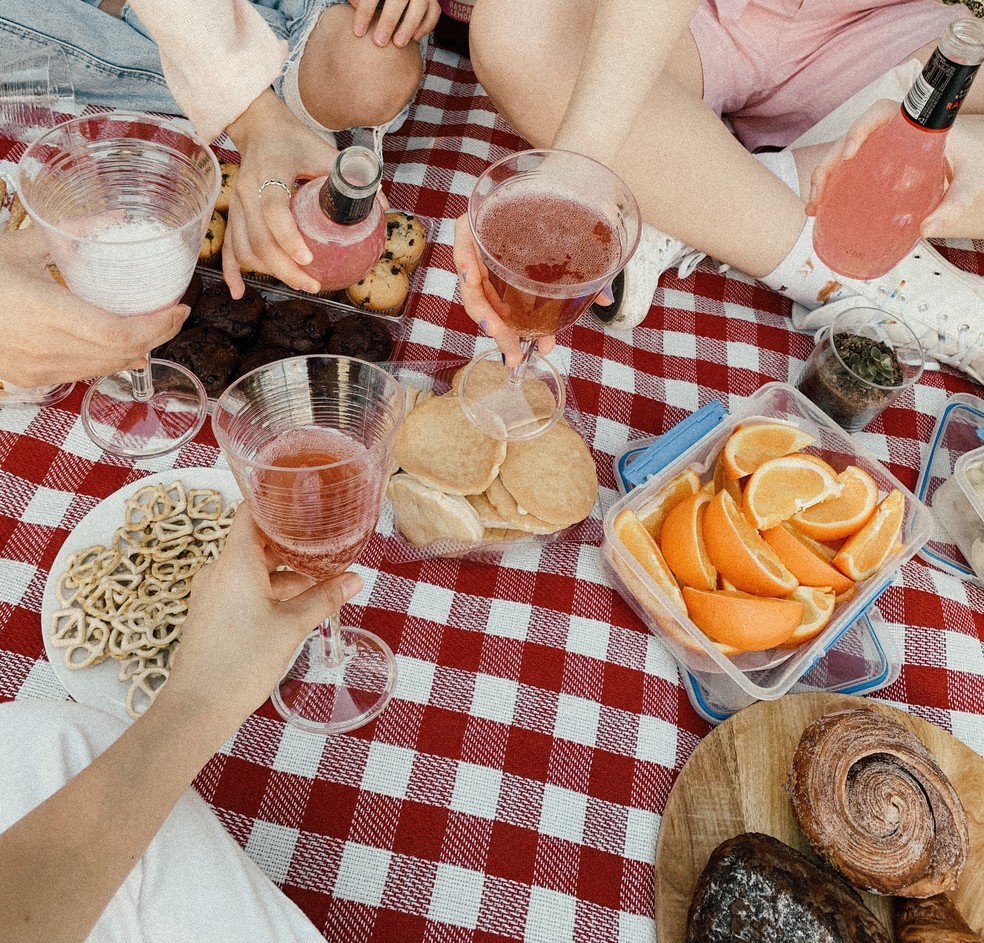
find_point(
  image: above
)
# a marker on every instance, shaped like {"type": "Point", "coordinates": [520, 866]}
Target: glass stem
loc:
{"type": "Point", "coordinates": [331, 636]}
{"type": "Point", "coordinates": [517, 373]}
{"type": "Point", "coordinates": [142, 382]}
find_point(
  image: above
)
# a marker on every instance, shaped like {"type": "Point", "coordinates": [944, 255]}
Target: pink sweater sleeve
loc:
{"type": "Point", "coordinates": [217, 55]}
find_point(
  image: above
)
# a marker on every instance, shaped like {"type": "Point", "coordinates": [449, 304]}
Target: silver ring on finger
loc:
{"type": "Point", "coordinates": [273, 182]}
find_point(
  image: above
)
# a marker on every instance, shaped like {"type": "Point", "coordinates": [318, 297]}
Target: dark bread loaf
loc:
{"type": "Point", "coordinates": [931, 920]}
{"type": "Point", "coordinates": [755, 889]}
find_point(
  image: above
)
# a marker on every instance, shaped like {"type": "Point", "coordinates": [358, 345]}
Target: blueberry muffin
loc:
{"type": "Point", "coordinates": [360, 336]}
{"type": "Point", "coordinates": [383, 290]}
{"type": "Point", "coordinates": [406, 239]}
{"type": "Point", "coordinates": [229, 174]}
{"type": "Point", "coordinates": [211, 246]}
{"type": "Point", "coordinates": [238, 320]}
{"type": "Point", "coordinates": [206, 352]}
{"type": "Point", "coordinates": [300, 326]}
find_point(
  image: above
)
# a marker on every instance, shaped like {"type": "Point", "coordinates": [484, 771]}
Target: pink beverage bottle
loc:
{"type": "Point", "coordinates": [451, 31]}
{"type": "Point", "coordinates": [341, 220]}
{"type": "Point", "coordinates": [873, 205]}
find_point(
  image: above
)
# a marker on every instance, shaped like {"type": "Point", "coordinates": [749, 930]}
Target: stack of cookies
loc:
{"type": "Point", "coordinates": [454, 488]}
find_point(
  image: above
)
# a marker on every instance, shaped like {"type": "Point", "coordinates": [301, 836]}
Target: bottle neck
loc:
{"type": "Point", "coordinates": [937, 94]}
{"type": "Point", "coordinates": [348, 194]}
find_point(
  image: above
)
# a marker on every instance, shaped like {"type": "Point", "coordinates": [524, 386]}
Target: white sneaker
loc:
{"type": "Point", "coordinates": [655, 253]}
{"type": "Point", "coordinates": [942, 304]}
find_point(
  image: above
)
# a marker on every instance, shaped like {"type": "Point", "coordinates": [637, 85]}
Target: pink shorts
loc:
{"type": "Point", "coordinates": [774, 68]}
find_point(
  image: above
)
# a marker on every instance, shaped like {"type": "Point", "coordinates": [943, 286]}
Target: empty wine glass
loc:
{"type": "Point", "coordinates": [123, 200]}
{"type": "Point", "coordinates": [553, 228]}
{"type": "Point", "coordinates": [310, 440]}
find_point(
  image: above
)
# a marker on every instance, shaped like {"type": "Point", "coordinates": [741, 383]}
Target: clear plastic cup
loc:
{"type": "Point", "coordinates": [34, 92]}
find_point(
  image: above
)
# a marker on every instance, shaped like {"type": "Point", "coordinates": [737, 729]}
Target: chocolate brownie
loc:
{"type": "Point", "coordinates": [206, 352]}
{"type": "Point", "coordinates": [260, 356]}
{"type": "Point", "coordinates": [297, 325]}
{"type": "Point", "coordinates": [361, 336]}
{"type": "Point", "coordinates": [236, 319]}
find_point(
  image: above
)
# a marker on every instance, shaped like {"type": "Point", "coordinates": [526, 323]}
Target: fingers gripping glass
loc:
{"type": "Point", "coordinates": [123, 200]}
{"type": "Point", "coordinates": [552, 228]}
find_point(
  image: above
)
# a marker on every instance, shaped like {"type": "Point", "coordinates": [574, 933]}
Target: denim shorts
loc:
{"type": "Point", "coordinates": [114, 61]}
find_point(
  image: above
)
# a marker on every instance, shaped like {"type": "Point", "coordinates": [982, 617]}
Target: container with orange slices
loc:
{"type": "Point", "coordinates": [754, 551]}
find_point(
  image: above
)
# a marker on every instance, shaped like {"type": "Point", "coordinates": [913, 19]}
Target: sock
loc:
{"type": "Point", "coordinates": [802, 277]}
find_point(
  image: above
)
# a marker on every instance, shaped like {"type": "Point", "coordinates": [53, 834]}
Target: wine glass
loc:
{"type": "Point", "coordinates": [310, 440]}
{"type": "Point", "coordinates": [553, 228]}
{"type": "Point", "coordinates": [124, 200]}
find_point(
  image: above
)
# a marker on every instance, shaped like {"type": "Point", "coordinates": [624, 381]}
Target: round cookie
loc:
{"type": "Point", "coordinates": [510, 512]}
{"type": "Point", "coordinates": [229, 174]}
{"type": "Point", "coordinates": [424, 515]}
{"type": "Point", "coordinates": [553, 476]}
{"type": "Point", "coordinates": [206, 352]}
{"type": "Point", "coordinates": [214, 236]}
{"type": "Point", "coordinates": [383, 289]}
{"type": "Point", "coordinates": [406, 239]}
{"type": "Point", "coordinates": [487, 387]}
{"type": "Point", "coordinates": [237, 319]}
{"type": "Point", "coordinates": [360, 336]}
{"type": "Point", "coordinates": [441, 447]}
{"type": "Point", "coordinates": [297, 325]}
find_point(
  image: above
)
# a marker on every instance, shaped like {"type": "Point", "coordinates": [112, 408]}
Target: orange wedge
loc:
{"type": "Point", "coordinates": [818, 607]}
{"type": "Point", "coordinates": [844, 514]}
{"type": "Point", "coordinates": [803, 561]}
{"type": "Point", "coordinates": [740, 554]}
{"type": "Point", "coordinates": [639, 542]}
{"type": "Point", "coordinates": [655, 509]}
{"type": "Point", "coordinates": [745, 622]}
{"type": "Point", "coordinates": [682, 541]}
{"type": "Point", "coordinates": [863, 554]}
{"type": "Point", "coordinates": [781, 487]}
{"type": "Point", "coordinates": [722, 482]}
{"type": "Point", "coordinates": [752, 445]}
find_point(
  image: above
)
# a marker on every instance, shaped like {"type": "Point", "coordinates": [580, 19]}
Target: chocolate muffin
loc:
{"type": "Point", "coordinates": [297, 325]}
{"type": "Point", "coordinates": [361, 336]}
{"type": "Point", "coordinates": [194, 291]}
{"type": "Point", "coordinates": [260, 356]}
{"type": "Point", "coordinates": [236, 319]}
{"type": "Point", "coordinates": [206, 352]}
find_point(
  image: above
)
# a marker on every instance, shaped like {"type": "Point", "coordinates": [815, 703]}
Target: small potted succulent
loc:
{"type": "Point", "coordinates": [860, 365]}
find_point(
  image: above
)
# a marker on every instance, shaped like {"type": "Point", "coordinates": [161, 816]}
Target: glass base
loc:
{"type": "Point", "coordinates": [322, 699]}
{"type": "Point", "coordinates": [34, 395]}
{"type": "Point", "coordinates": [506, 408]}
{"type": "Point", "coordinates": [124, 426]}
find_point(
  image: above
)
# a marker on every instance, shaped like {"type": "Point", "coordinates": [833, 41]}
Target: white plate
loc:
{"type": "Point", "coordinates": [98, 686]}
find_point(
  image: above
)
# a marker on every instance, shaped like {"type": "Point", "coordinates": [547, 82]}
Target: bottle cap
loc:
{"type": "Point", "coordinates": [348, 193]}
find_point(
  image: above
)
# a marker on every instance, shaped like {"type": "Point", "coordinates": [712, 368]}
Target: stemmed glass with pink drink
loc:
{"type": "Point", "coordinates": [552, 228]}
{"type": "Point", "coordinates": [123, 200]}
{"type": "Point", "coordinates": [310, 440]}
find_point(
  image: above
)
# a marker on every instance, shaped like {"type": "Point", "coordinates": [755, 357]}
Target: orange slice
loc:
{"type": "Point", "coordinates": [655, 509]}
{"type": "Point", "coordinates": [745, 622]}
{"type": "Point", "coordinates": [818, 607]}
{"type": "Point", "coordinates": [863, 554]}
{"type": "Point", "coordinates": [639, 542]}
{"type": "Point", "coordinates": [682, 541]}
{"type": "Point", "coordinates": [803, 561]}
{"type": "Point", "coordinates": [781, 487]}
{"type": "Point", "coordinates": [722, 482]}
{"type": "Point", "coordinates": [740, 554]}
{"type": "Point", "coordinates": [844, 514]}
{"type": "Point", "coordinates": [752, 445]}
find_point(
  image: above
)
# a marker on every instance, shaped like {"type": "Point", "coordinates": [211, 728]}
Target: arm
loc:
{"type": "Point", "coordinates": [237, 642]}
{"type": "Point", "coordinates": [50, 336]}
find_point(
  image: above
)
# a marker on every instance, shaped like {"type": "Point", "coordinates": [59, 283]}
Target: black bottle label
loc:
{"type": "Point", "coordinates": [936, 97]}
{"type": "Point", "coordinates": [342, 209]}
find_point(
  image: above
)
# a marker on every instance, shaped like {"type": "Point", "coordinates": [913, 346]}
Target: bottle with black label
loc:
{"type": "Point", "coordinates": [341, 219]}
{"type": "Point", "coordinates": [451, 31]}
{"type": "Point", "coordinates": [874, 203]}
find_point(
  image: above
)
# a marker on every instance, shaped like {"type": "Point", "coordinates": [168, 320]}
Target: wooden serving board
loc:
{"type": "Point", "coordinates": [734, 781]}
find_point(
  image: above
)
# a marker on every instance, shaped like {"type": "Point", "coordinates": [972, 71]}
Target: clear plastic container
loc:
{"type": "Point", "coordinates": [959, 429]}
{"type": "Point", "coordinates": [437, 376]}
{"type": "Point", "coordinates": [959, 507]}
{"type": "Point", "coordinates": [733, 682]}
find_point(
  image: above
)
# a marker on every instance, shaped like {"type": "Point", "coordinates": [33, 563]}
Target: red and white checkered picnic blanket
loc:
{"type": "Point", "coordinates": [513, 788]}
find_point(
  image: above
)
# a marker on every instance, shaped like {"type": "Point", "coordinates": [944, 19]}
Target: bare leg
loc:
{"type": "Point", "coordinates": [348, 81]}
{"type": "Point", "coordinates": [724, 202]}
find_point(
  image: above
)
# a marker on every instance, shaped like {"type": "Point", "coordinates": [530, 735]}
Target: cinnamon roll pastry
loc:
{"type": "Point", "coordinates": [932, 920]}
{"type": "Point", "coordinates": [874, 803]}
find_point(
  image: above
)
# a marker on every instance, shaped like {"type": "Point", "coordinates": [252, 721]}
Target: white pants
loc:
{"type": "Point", "coordinates": [193, 883]}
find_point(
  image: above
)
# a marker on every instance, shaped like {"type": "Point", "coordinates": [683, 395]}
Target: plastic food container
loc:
{"type": "Point", "coordinates": [730, 683]}
{"type": "Point", "coordinates": [437, 376]}
{"type": "Point", "coordinates": [959, 507]}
